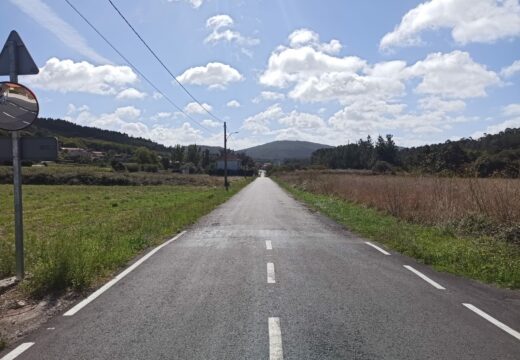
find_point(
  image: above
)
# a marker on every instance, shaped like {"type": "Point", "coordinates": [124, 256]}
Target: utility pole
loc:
{"type": "Point", "coordinates": [17, 175]}
{"type": "Point", "coordinates": [225, 157]}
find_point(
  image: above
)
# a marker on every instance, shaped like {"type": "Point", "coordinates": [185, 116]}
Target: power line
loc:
{"type": "Point", "coordinates": [129, 63]}
{"type": "Point", "coordinates": [162, 63]}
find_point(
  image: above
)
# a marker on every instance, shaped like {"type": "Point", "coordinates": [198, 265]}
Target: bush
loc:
{"type": "Point", "coordinates": [117, 165]}
{"type": "Point", "coordinates": [132, 167]}
{"type": "Point", "coordinates": [150, 168]}
{"type": "Point", "coordinates": [511, 234]}
{"type": "Point", "coordinates": [383, 167]}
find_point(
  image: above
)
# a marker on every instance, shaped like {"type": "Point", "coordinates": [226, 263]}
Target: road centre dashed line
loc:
{"type": "Point", "coordinates": [270, 273]}
{"type": "Point", "coordinates": [268, 245]}
{"type": "Point", "coordinates": [425, 278]}
{"type": "Point", "coordinates": [112, 282]}
{"type": "Point", "coordinates": [492, 320]}
{"type": "Point", "coordinates": [17, 351]}
{"type": "Point", "coordinates": [275, 339]}
{"type": "Point", "coordinates": [377, 248]}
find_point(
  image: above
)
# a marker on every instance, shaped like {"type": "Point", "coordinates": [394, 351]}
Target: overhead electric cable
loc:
{"type": "Point", "coordinates": [129, 63]}
{"type": "Point", "coordinates": [162, 63]}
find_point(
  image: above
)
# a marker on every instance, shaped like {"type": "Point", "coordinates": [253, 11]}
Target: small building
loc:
{"type": "Point", "coordinates": [233, 163]}
{"type": "Point", "coordinates": [75, 152]}
{"type": "Point", "coordinates": [97, 155]}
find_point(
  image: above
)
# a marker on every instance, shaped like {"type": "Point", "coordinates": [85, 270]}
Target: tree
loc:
{"type": "Point", "coordinates": [193, 154]}
{"type": "Point", "coordinates": [386, 150]}
{"type": "Point", "coordinates": [205, 159]}
{"type": "Point", "coordinates": [178, 154]}
{"type": "Point", "coordinates": [145, 156]}
{"type": "Point", "coordinates": [165, 162]}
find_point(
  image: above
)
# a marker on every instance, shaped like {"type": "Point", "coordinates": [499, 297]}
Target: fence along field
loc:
{"type": "Point", "coordinates": [465, 226]}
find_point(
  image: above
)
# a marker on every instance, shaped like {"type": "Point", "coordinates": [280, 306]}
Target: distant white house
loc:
{"type": "Point", "coordinates": [233, 163]}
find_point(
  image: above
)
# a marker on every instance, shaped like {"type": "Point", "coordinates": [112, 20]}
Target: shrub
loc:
{"type": "Point", "coordinates": [150, 168]}
{"type": "Point", "coordinates": [383, 167]}
{"type": "Point", "coordinates": [117, 165]}
{"type": "Point", "coordinates": [132, 167]}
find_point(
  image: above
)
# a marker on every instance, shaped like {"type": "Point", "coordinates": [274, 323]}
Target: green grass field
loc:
{"type": "Point", "coordinates": [77, 235]}
{"type": "Point", "coordinates": [483, 258]}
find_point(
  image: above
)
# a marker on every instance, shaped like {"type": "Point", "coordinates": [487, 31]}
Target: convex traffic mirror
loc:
{"type": "Point", "coordinates": [18, 106]}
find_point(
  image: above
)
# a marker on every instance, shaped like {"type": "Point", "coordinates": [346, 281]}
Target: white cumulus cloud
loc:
{"type": "Point", "coordinates": [131, 93]}
{"type": "Point", "coordinates": [511, 70]}
{"type": "Point", "coordinates": [233, 104]}
{"type": "Point", "coordinates": [306, 37]}
{"type": "Point", "coordinates": [69, 76]}
{"type": "Point", "coordinates": [129, 120]}
{"type": "Point", "coordinates": [301, 120]}
{"type": "Point", "coordinates": [195, 108]}
{"type": "Point", "coordinates": [259, 123]}
{"type": "Point", "coordinates": [194, 3]}
{"type": "Point", "coordinates": [211, 123]}
{"type": "Point", "coordinates": [221, 27]}
{"type": "Point", "coordinates": [269, 96]}
{"type": "Point", "coordinates": [453, 75]}
{"type": "Point", "coordinates": [483, 21]}
{"type": "Point", "coordinates": [213, 75]}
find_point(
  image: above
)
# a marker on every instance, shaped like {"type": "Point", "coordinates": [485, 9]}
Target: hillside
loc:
{"type": "Point", "coordinates": [283, 150]}
{"type": "Point", "coordinates": [73, 135]}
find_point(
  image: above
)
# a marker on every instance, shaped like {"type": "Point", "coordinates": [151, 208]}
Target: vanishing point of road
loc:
{"type": "Point", "coordinates": [263, 277]}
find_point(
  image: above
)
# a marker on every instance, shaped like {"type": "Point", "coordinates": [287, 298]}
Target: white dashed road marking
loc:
{"type": "Point", "coordinates": [270, 273]}
{"type": "Point", "coordinates": [275, 339]}
{"type": "Point", "coordinates": [377, 248]}
{"type": "Point", "coordinates": [268, 245]}
{"type": "Point", "coordinates": [425, 278]}
{"type": "Point", "coordinates": [492, 320]}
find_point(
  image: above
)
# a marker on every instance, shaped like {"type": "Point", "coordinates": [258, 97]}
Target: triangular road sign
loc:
{"type": "Point", "coordinates": [24, 63]}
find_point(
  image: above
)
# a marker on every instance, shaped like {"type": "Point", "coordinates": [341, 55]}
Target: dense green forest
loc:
{"type": "Point", "coordinates": [490, 155]}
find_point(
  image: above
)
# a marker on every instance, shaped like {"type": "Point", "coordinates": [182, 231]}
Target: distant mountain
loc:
{"type": "Point", "coordinates": [283, 150]}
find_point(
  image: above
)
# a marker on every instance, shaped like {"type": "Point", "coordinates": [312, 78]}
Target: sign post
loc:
{"type": "Point", "coordinates": [21, 110]}
{"type": "Point", "coordinates": [17, 177]}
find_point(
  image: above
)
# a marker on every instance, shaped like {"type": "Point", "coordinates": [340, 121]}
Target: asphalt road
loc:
{"type": "Point", "coordinates": [14, 113]}
{"type": "Point", "coordinates": [211, 294]}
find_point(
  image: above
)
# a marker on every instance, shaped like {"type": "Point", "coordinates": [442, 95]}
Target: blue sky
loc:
{"type": "Point", "coordinates": [324, 71]}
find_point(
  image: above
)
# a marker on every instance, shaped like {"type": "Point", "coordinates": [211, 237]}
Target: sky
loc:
{"type": "Point", "coordinates": [324, 71]}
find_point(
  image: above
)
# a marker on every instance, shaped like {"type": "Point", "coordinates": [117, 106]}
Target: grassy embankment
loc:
{"type": "Point", "coordinates": [471, 245]}
{"type": "Point", "coordinates": [77, 235]}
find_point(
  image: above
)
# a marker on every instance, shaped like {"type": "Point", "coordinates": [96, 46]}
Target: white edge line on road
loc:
{"type": "Point", "coordinates": [121, 275]}
{"type": "Point", "coordinates": [275, 339]}
{"type": "Point", "coordinates": [270, 273]}
{"type": "Point", "coordinates": [268, 245]}
{"type": "Point", "coordinates": [18, 351]}
{"type": "Point", "coordinates": [492, 320]}
{"type": "Point", "coordinates": [377, 248]}
{"type": "Point", "coordinates": [425, 278]}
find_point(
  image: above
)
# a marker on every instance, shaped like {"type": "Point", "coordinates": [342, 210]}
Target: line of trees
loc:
{"type": "Point", "coordinates": [187, 159]}
{"type": "Point", "coordinates": [365, 154]}
{"type": "Point", "coordinates": [490, 155]}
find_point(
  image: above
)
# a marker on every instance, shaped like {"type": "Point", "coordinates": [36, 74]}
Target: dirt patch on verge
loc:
{"type": "Point", "coordinates": [20, 315]}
